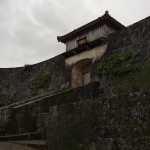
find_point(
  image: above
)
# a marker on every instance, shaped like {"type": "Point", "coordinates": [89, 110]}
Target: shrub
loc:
{"type": "Point", "coordinates": [42, 81]}
{"type": "Point", "coordinates": [119, 64]}
{"type": "Point", "coordinates": [25, 68]}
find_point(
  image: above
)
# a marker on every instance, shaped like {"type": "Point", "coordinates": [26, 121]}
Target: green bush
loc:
{"type": "Point", "coordinates": [119, 64]}
{"type": "Point", "coordinates": [25, 68]}
{"type": "Point", "coordinates": [134, 81]}
{"type": "Point", "coordinates": [42, 81]}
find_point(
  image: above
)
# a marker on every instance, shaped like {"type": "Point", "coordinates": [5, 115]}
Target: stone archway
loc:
{"type": "Point", "coordinates": [81, 72]}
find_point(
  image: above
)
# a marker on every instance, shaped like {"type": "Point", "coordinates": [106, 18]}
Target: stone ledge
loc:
{"type": "Point", "coordinates": [33, 135]}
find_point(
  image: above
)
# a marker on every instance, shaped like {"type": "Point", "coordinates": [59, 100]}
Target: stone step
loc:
{"type": "Point", "coordinates": [9, 145]}
{"type": "Point", "coordinates": [39, 99]}
{"type": "Point", "coordinates": [38, 144]}
{"type": "Point", "coordinates": [2, 132]}
{"type": "Point", "coordinates": [24, 136]}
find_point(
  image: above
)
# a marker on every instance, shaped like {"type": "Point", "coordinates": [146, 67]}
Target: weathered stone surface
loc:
{"type": "Point", "coordinates": [134, 38]}
{"type": "Point", "coordinates": [16, 83]}
{"type": "Point", "coordinates": [32, 116]}
{"type": "Point", "coordinates": [81, 118]}
{"type": "Point", "coordinates": [14, 146]}
{"type": "Point", "coordinates": [119, 122]}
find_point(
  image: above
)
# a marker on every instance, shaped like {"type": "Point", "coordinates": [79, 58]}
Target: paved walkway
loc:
{"type": "Point", "coordinates": [14, 146]}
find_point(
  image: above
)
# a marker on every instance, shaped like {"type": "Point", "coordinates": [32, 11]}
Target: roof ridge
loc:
{"type": "Point", "coordinates": [87, 25]}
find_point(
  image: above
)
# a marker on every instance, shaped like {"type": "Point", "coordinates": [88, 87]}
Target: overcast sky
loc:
{"type": "Point", "coordinates": [29, 28]}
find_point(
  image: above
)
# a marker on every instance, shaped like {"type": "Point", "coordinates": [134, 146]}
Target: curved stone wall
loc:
{"type": "Point", "coordinates": [17, 83]}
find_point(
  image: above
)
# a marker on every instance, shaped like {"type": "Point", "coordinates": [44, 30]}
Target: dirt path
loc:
{"type": "Point", "coordinates": [14, 146]}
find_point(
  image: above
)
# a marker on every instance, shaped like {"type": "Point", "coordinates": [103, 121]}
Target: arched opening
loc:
{"type": "Point", "coordinates": [81, 72]}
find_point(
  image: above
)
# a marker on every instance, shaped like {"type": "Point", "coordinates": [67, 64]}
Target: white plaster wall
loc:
{"type": "Point", "coordinates": [94, 54]}
{"type": "Point", "coordinates": [91, 35]}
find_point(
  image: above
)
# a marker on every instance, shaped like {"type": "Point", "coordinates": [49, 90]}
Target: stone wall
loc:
{"type": "Point", "coordinates": [80, 118]}
{"type": "Point", "coordinates": [135, 39]}
{"type": "Point", "coordinates": [17, 83]}
{"type": "Point", "coordinates": [120, 122]}
{"type": "Point", "coordinates": [132, 38]}
{"type": "Point", "coordinates": [32, 116]}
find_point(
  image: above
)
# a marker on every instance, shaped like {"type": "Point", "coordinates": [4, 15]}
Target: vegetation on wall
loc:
{"type": "Point", "coordinates": [129, 72]}
{"type": "Point", "coordinates": [26, 67]}
{"type": "Point", "coordinates": [135, 81]}
{"type": "Point", "coordinates": [42, 81]}
{"type": "Point", "coordinates": [6, 99]}
{"type": "Point", "coordinates": [119, 64]}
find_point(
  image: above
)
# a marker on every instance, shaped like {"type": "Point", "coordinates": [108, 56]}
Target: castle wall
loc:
{"type": "Point", "coordinates": [80, 118]}
{"type": "Point", "coordinates": [135, 39]}
{"type": "Point", "coordinates": [16, 83]}
{"type": "Point", "coordinates": [20, 83]}
{"type": "Point", "coordinates": [33, 116]}
{"type": "Point", "coordinates": [101, 123]}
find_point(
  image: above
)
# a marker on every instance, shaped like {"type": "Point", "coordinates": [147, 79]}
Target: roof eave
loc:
{"type": "Point", "coordinates": [105, 17]}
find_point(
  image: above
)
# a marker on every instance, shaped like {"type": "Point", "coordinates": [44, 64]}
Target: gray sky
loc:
{"type": "Point", "coordinates": [29, 28]}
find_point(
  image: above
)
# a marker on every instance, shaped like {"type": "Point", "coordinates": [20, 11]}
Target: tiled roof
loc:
{"type": "Point", "coordinates": [105, 17]}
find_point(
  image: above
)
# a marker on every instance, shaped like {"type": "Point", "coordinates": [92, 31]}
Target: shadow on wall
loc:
{"type": "Point", "coordinates": [81, 72]}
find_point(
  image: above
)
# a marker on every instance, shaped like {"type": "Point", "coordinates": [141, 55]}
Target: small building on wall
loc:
{"type": "Point", "coordinates": [86, 44]}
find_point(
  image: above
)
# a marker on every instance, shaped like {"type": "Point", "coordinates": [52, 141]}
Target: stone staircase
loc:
{"type": "Point", "coordinates": [33, 99]}
{"type": "Point", "coordinates": [37, 144]}
{"type": "Point", "coordinates": [24, 136]}
{"type": "Point", "coordinates": [15, 145]}
{"type": "Point", "coordinates": [37, 138]}
{"type": "Point", "coordinates": [26, 141]}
